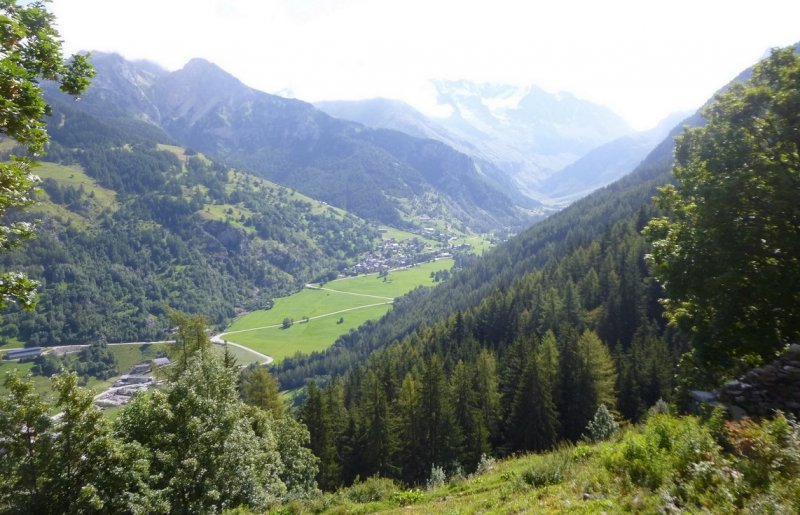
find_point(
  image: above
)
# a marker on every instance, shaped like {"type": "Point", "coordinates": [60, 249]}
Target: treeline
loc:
{"type": "Point", "coordinates": [185, 233]}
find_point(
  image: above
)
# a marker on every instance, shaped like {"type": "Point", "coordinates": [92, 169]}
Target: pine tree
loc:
{"type": "Point", "coordinates": [600, 366]}
{"type": "Point", "coordinates": [410, 455]}
{"type": "Point", "coordinates": [467, 415]}
{"type": "Point", "coordinates": [487, 392]}
{"type": "Point", "coordinates": [258, 388]}
{"type": "Point", "coordinates": [534, 417]}
{"type": "Point", "coordinates": [577, 393]}
{"type": "Point", "coordinates": [379, 438]}
{"type": "Point", "coordinates": [438, 428]}
{"type": "Point", "coordinates": [321, 438]}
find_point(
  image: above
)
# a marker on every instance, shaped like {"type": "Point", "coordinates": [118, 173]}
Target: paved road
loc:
{"type": "Point", "coordinates": [217, 338]}
{"type": "Point", "coordinates": [317, 287]}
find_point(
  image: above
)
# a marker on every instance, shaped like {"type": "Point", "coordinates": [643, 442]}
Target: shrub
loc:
{"type": "Point", "coordinates": [549, 469]}
{"type": "Point", "coordinates": [601, 427]}
{"type": "Point", "coordinates": [407, 497]}
{"type": "Point", "coordinates": [437, 478]}
{"type": "Point", "coordinates": [765, 452]}
{"type": "Point", "coordinates": [665, 447]}
{"type": "Point", "coordinates": [486, 463]}
{"type": "Point", "coordinates": [372, 490]}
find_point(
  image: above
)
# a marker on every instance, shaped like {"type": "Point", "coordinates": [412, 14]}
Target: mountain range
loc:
{"type": "Point", "coordinates": [530, 135]}
{"type": "Point", "coordinates": [381, 175]}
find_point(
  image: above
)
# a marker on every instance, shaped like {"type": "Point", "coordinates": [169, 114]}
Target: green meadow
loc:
{"type": "Point", "coordinates": [332, 309]}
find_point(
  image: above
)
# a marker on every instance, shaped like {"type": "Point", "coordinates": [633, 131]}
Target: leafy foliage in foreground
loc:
{"type": "Point", "coordinates": [30, 51]}
{"type": "Point", "coordinates": [191, 447]}
{"type": "Point", "coordinates": [727, 249]}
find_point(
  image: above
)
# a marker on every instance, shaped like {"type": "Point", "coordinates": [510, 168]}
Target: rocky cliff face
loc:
{"type": "Point", "coordinates": [762, 391]}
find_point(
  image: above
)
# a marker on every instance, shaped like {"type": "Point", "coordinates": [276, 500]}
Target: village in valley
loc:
{"type": "Point", "coordinates": [392, 253]}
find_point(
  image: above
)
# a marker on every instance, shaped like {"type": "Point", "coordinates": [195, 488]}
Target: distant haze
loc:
{"type": "Point", "coordinates": [644, 60]}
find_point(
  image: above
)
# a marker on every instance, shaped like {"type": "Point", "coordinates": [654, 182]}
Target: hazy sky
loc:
{"type": "Point", "coordinates": [643, 58]}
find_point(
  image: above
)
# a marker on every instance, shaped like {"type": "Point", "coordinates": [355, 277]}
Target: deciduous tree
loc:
{"type": "Point", "coordinates": [30, 50]}
{"type": "Point", "coordinates": [727, 250]}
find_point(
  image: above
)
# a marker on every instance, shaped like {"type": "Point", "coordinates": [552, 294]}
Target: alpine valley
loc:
{"type": "Point", "coordinates": [605, 321]}
{"type": "Point", "coordinates": [141, 211]}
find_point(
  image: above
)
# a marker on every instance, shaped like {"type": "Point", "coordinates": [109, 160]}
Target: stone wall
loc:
{"type": "Point", "coordinates": [762, 391]}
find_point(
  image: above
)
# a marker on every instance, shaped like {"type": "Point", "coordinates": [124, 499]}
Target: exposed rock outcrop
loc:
{"type": "Point", "coordinates": [762, 391]}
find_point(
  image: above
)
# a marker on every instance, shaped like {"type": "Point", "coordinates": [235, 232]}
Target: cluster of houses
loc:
{"type": "Point", "coordinates": [128, 385]}
{"type": "Point", "coordinates": [391, 254]}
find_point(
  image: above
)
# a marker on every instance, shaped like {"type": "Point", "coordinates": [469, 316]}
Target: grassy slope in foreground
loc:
{"type": "Point", "coordinates": [667, 464]}
{"type": "Point", "coordinates": [355, 300]}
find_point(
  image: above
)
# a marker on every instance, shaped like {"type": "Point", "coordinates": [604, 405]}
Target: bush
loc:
{"type": "Point", "coordinates": [407, 497]}
{"type": "Point", "coordinates": [665, 447]}
{"type": "Point", "coordinates": [372, 490]}
{"type": "Point", "coordinates": [765, 452]}
{"type": "Point", "coordinates": [549, 469]}
{"type": "Point", "coordinates": [601, 427]}
{"type": "Point", "coordinates": [485, 464]}
{"type": "Point", "coordinates": [437, 478]}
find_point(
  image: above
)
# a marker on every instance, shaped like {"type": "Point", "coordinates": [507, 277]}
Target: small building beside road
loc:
{"type": "Point", "coordinates": [29, 352]}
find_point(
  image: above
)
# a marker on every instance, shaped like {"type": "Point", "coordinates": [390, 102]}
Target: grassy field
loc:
{"type": "Point", "coordinates": [389, 233]}
{"type": "Point", "coordinates": [353, 300]}
{"type": "Point", "coordinates": [479, 243]}
{"type": "Point", "coordinates": [75, 177]}
{"type": "Point", "coordinates": [13, 343]}
{"type": "Point", "coordinates": [242, 356]}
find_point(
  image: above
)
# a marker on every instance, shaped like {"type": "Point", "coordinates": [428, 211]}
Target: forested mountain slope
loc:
{"type": "Point", "coordinates": [383, 175]}
{"type": "Point", "coordinates": [590, 221]}
{"type": "Point", "coordinates": [520, 350]}
{"type": "Point", "coordinates": [514, 353]}
{"type": "Point", "coordinates": [130, 228]}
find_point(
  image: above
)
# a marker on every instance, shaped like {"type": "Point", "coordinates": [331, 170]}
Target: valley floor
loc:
{"type": "Point", "coordinates": [319, 314]}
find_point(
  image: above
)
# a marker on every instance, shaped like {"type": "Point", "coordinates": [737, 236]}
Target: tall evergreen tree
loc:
{"type": "Point", "coordinates": [439, 432]}
{"type": "Point", "coordinates": [487, 391]}
{"type": "Point", "coordinates": [534, 418]}
{"type": "Point", "coordinates": [258, 388]}
{"type": "Point", "coordinates": [600, 366]}
{"type": "Point", "coordinates": [378, 435]}
{"type": "Point", "coordinates": [410, 455]}
{"type": "Point", "coordinates": [468, 417]}
{"type": "Point", "coordinates": [577, 391]}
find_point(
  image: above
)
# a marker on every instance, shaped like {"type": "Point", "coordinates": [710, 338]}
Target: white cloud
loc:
{"type": "Point", "coordinates": [642, 59]}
